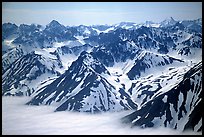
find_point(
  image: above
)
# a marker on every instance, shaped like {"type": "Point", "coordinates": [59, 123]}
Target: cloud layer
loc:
{"type": "Point", "coordinates": [19, 119]}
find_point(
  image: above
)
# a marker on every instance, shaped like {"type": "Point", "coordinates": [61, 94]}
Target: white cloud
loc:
{"type": "Point", "coordinates": [18, 118]}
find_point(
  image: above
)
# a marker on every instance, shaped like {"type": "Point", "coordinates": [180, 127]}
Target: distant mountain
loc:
{"type": "Point", "coordinates": [168, 22]}
{"type": "Point", "coordinates": [195, 25]}
{"type": "Point", "coordinates": [115, 52]}
{"type": "Point", "coordinates": [151, 24]}
{"type": "Point", "coordinates": [126, 25]}
{"type": "Point", "coordinates": [55, 24]}
{"type": "Point", "coordinates": [9, 30]}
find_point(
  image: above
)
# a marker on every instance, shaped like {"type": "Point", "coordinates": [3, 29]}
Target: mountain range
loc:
{"type": "Point", "coordinates": [153, 69]}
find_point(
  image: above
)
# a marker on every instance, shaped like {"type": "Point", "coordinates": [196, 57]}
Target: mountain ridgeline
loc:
{"type": "Point", "coordinates": [153, 69]}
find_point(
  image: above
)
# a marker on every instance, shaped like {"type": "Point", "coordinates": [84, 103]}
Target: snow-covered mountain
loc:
{"type": "Point", "coordinates": [148, 60]}
{"type": "Point", "coordinates": [9, 30]}
{"type": "Point", "coordinates": [24, 75]}
{"type": "Point", "coordinates": [194, 25]}
{"type": "Point", "coordinates": [10, 57]}
{"type": "Point", "coordinates": [151, 24]}
{"type": "Point", "coordinates": [178, 107]}
{"type": "Point", "coordinates": [83, 87]}
{"type": "Point", "coordinates": [168, 22]}
{"type": "Point", "coordinates": [116, 67]}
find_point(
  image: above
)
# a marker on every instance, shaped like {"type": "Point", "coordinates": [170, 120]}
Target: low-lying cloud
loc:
{"type": "Point", "coordinates": [20, 119]}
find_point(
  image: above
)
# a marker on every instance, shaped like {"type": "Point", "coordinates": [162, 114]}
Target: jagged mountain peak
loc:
{"type": "Point", "coordinates": [199, 21]}
{"type": "Point", "coordinates": [9, 25]}
{"type": "Point", "coordinates": [168, 22]}
{"type": "Point", "coordinates": [54, 23]}
{"type": "Point", "coordinates": [170, 19]}
{"type": "Point", "coordinates": [86, 60]}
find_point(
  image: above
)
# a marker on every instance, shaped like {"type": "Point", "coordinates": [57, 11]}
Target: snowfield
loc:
{"type": "Point", "coordinates": [20, 119]}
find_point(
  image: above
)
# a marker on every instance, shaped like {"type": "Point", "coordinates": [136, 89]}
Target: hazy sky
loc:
{"type": "Point", "coordinates": [91, 13]}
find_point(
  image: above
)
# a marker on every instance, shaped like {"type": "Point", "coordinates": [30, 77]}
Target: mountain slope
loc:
{"type": "Point", "coordinates": [83, 88]}
{"type": "Point", "coordinates": [147, 60]}
{"type": "Point", "coordinates": [177, 108]}
{"type": "Point", "coordinates": [23, 76]}
{"type": "Point", "coordinates": [10, 57]}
